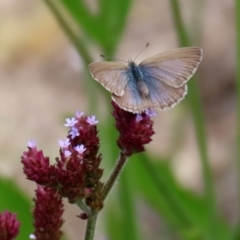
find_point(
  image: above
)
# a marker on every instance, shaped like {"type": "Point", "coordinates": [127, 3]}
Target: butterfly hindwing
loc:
{"type": "Point", "coordinates": [161, 96]}
{"type": "Point", "coordinates": [131, 100]}
{"type": "Point", "coordinates": [112, 75]}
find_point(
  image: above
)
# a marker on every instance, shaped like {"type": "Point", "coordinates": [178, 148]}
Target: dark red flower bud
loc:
{"type": "Point", "coordinates": [71, 174]}
{"type": "Point", "coordinates": [83, 216]}
{"type": "Point", "coordinates": [37, 167]}
{"type": "Point", "coordinates": [76, 174]}
{"type": "Point", "coordinates": [9, 226]}
{"type": "Point", "coordinates": [47, 214]}
{"type": "Point", "coordinates": [135, 130]}
{"type": "Point", "coordinates": [84, 132]}
{"type": "Point", "coordinates": [87, 135]}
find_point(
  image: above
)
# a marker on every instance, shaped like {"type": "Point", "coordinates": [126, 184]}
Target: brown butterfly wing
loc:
{"type": "Point", "coordinates": [112, 75]}
{"type": "Point", "coordinates": [174, 67]}
{"type": "Point", "coordinates": [164, 75]}
{"type": "Point", "coordinates": [131, 101]}
{"type": "Point", "coordinates": [161, 96]}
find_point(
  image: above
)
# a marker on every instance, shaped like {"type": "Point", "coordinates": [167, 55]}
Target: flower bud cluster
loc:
{"type": "Point", "coordinates": [135, 130]}
{"type": "Point", "coordinates": [76, 173]}
{"type": "Point", "coordinates": [9, 226]}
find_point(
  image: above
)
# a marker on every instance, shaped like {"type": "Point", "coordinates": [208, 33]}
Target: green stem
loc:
{"type": "Point", "coordinates": [83, 206]}
{"type": "Point", "coordinates": [91, 225]}
{"type": "Point", "coordinates": [122, 159]}
{"type": "Point", "coordinates": [196, 108]}
{"type": "Point", "coordinates": [237, 13]}
{"type": "Point", "coordinates": [81, 48]}
{"type": "Point", "coordinates": [179, 26]}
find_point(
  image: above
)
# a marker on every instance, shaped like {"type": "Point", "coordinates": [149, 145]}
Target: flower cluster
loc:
{"type": "Point", "coordinates": [47, 214]}
{"type": "Point", "coordinates": [76, 173]}
{"type": "Point", "coordinates": [9, 226]}
{"type": "Point", "coordinates": [135, 130]}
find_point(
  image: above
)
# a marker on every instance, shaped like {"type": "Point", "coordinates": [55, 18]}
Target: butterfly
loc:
{"type": "Point", "coordinates": [157, 82]}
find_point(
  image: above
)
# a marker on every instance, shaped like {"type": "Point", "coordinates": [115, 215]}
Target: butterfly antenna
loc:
{"type": "Point", "coordinates": [141, 51]}
{"type": "Point", "coordinates": [113, 58]}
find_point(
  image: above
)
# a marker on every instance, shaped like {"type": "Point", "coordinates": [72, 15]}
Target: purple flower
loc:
{"type": "Point", "coordinates": [67, 153]}
{"type": "Point", "coordinates": [70, 122]}
{"type": "Point", "coordinates": [79, 114]}
{"type": "Point", "coordinates": [64, 144]}
{"type": "Point", "coordinates": [150, 112]}
{"type": "Point", "coordinates": [80, 148]}
{"type": "Point", "coordinates": [32, 236]}
{"type": "Point", "coordinates": [92, 120]}
{"type": "Point", "coordinates": [139, 118]}
{"type": "Point", "coordinates": [74, 132]}
{"type": "Point", "coordinates": [31, 144]}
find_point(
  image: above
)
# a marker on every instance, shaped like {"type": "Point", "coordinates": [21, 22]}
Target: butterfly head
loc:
{"type": "Point", "coordinates": [131, 64]}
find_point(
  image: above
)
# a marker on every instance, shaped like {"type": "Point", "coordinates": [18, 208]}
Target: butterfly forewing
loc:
{"type": "Point", "coordinates": [174, 67]}
{"type": "Point", "coordinates": [112, 75]}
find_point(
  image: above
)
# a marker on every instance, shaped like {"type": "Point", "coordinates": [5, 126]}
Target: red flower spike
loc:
{"type": "Point", "coordinates": [71, 173]}
{"type": "Point", "coordinates": [47, 214]}
{"type": "Point", "coordinates": [37, 167]}
{"type": "Point", "coordinates": [76, 174]}
{"type": "Point", "coordinates": [9, 226]}
{"type": "Point", "coordinates": [135, 130]}
{"type": "Point", "coordinates": [88, 137]}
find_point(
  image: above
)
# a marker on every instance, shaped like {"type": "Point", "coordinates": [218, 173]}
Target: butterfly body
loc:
{"type": "Point", "coordinates": [136, 75]}
{"type": "Point", "coordinates": [157, 82]}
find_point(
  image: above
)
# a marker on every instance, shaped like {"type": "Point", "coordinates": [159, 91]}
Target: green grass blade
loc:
{"type": "Point", "coordinates": [113, 15]}
{"type": "Point", "coordinates": [86, 21]}
{"type": "Point", "coordinates": [237, 16]}
{"type": "Point", "coordinates": [78, 43]}
{"type": "Point", "coordinates": [196, 108]}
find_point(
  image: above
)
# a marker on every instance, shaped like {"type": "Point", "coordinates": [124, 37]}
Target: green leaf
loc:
{"type": "Point", "coordinates": [182, 209]}
{"type": "Point", "coordinates": [113, 15]}
{"type": "Point", "coordinates": [86, 21]}
{"type": "Point", "coordinates": [14, 200]}
{"type": "Point", "coordinates": [105, 26]}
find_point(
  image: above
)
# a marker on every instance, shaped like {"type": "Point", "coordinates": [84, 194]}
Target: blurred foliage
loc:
{"type": "Point", "coordinates": [14, 200]}
{"type": "Point", "coordinates": [185, 214]}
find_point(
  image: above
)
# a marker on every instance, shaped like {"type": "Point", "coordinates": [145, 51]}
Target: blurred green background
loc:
{"type": "Point", "coordinates": [186, 184]}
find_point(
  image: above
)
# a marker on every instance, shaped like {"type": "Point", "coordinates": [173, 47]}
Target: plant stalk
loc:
{"type": "Point", "coordinates": [237, 14]}
{"type": "Point", "coordinates": [70, 33]}
{"type": "Point", "coordinates": [122, 159]}
{"type": "Point", "coordinates": [91, 225]}
{"type": "Point", "coordinates": [83, 206]}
